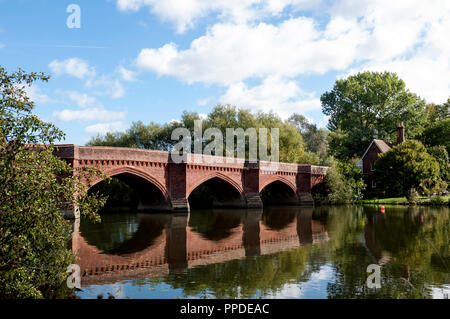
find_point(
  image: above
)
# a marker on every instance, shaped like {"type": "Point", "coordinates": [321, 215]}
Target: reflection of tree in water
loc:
{"type": "Point", "coordinates": [402, 233]}
{"type": "Point", "coordinates": [215, 224]}
{"type": "Point", "coordinates": [123, 233]}
{"type": "Point", "coordinates": [243, 278]}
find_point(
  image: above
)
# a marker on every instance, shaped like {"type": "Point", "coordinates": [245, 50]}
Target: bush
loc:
{"type": "Point", "coordinates": [437, 201]}
{"type": "Point", "coordinates": [342, 184]}
{"type": "Point", "coordinates": [33, 234]}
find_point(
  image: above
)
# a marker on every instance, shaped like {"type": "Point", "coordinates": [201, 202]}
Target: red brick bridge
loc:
{"type": "Point", "coordinates": [164, 184]}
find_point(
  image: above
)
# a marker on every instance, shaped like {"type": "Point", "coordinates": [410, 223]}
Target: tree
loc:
{"type": "Point", "coordinates": [316, 139]}
{"type": "Point", "coordinates": [343, 184]}
{"type": "Point", "coordinates": [438, 112]}
{"type": "Point", "coordinates": [158, 137]}
{"type": "Point", "coordinates": [440, 154]}
{"type": "Point", "coordinates": [437, 133]}
{"type": "Point", "coordinates": [404, 167]}
{"type": "Point", "coordinates": [369, 105]}
{"type": "Point", "coordinates": [34, 185]}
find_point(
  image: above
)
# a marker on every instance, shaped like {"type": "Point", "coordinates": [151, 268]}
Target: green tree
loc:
{"type": "Point", "coordinates": [316, 139]}
{"type": "Point", "coordinates": [33, 234]}
{"type": "Point", "coordinates": [354, 179]}
{"type": "Point", "coordinates": [404, 167]}
{"type": "Point", "coordinates": [438, 112]}
{"type": "Point", "coordinates": [441, 155]}
{"type": "Point", "coordinates": [369, 105]}
{"type": "Point", "coordinates": [437, 133]}
{"type": "Point", "coordinates": [343, 184]}
{"type": "Point", "coordinates": [158, 137]}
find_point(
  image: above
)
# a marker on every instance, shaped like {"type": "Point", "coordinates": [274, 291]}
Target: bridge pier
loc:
{"type": "Point", "coordinates": [177, 187]}
{"type": "Point", "coordinates": [251, 185]}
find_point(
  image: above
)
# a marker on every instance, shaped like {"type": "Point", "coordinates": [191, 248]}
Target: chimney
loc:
{"type": "Point", "coordinates": [400, 133]}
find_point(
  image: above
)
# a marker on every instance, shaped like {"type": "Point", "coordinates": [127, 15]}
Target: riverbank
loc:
{"type": "Point", "coordinates": [420, 200]}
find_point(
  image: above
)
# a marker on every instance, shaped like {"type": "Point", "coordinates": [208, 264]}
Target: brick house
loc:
{"type": "Point", "coordinates": [367, 162]}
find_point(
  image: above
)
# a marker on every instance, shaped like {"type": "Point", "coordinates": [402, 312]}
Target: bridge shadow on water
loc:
{"type": "Point", "coordinates": [131, 245]}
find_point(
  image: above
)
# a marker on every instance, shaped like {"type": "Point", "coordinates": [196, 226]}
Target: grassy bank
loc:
{"type": "Point", "coordinates": [419, 200]}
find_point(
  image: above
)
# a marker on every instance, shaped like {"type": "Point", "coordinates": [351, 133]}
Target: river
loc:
{"type": "Point", "coordinates": [278, 252]}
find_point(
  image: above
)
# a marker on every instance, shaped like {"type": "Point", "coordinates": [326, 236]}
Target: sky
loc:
{"type": "Point", "coordinates": [150, 60]}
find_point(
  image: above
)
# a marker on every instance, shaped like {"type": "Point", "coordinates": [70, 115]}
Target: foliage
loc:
{"type": "Point", "coordinates": [316, 139]}
{"type": "Point", "coordinates": [368, 106]}
{"type": "Point", "coordinates": [414, 242]}
{"type": "Point", "coordinates": [437, 201]}
{"type": "Point", "coordinates": [33, 233]}
{"type": "Point", "coordinates": [343, 183]}
{"type": "Point", "coordinates": [404, 167]}
{"type": "Point", "coordinates": [158, 137]}
{"type": "Point", "coordinates": [440, 154]}
{"type": "Point", "coordinates": [354, 179]}
{"type": "Point", "coordinates": [437, 133]}
{"type": "Point", "coordinates": [438, 112]}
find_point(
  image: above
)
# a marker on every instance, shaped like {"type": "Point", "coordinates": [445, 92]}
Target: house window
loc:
{"type": "Point", "coordinates": [372, 166]}
{"type": "Point", "coordinates": [359, 165]}
{"type": "Point", "coordinates": [374, 184]}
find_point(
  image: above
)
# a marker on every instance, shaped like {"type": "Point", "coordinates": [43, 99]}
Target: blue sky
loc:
{"type": "Point", "coordinates": [149, 60]}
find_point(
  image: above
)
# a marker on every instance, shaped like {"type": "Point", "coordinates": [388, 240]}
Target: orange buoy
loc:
{"type": "Point", "coordinates": [382, 209]}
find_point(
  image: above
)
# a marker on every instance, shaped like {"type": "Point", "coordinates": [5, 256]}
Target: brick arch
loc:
{"type": "Point", "coordinates": [223, 177]}
{"type": "Point", "coordinates": [136, 172]}
{"type": "Point", "coordinates": [278, 179]}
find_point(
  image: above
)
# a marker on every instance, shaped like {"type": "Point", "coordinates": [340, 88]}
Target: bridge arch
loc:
{"type": "Point", "coordinates": [136, 172]}
{"type": "Point", "coordinates": [278, 191]}
{"type": "Point", "coordinates": [146, 185]}
{"type": "Point", "coordinates": [277, 179]}
{"type": "Point", "coordinates": [215, 190]}
{"type": "Point", "coordinates": [211, 176]}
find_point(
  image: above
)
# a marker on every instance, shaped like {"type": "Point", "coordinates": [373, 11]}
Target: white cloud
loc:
{"type": "Point", "coordinates": [73, 66]}
{"type": "Point", "coordinates": [230, 53]}
{"type": "Point", "coordinates": [323, 122]}
{"type": "Point", "coordinates": [282, 96]}
{"type": "Point", "coordinates": [113, 87]}
{"type": "Point", "coordinates": [35, 94]}
{"type": "Point", "coordinates": [204, 101]}
{"type": "Point", "coordinates": [127, 75]}
{"type": "Point", "coordinates": [81, 99]}
{"type": "Point", "coordinates": [360, 35]}
{"type": "Point", "coordinates": [117, 90]}
{"type": "Point", "coordinates": [184, 14]}
{"type": "Point", "coordinates": [2, 45]}
{"type": "Point", "coordinates": [103, 128]}
{"type": "Point", "coordinates": [89, 115]}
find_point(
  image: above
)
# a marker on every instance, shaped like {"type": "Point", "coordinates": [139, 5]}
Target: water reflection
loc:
{"type": "Point", "coordinates": [278, 252]}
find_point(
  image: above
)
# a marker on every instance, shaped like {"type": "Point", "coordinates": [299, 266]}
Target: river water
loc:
{"type": "Point", "coordinates": [278, 252]}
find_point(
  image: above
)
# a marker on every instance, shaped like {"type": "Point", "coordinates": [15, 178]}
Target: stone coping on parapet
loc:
{"type": "Point", "coordinates": [105, 153]}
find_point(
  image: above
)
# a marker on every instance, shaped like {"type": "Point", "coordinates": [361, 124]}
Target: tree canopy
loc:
{"type": "Point", "coordinates": [437, 133]}
{"type": "Point", "coordinates": [158, 137]}
{"type": "Point", "coordinates": [368, 106]}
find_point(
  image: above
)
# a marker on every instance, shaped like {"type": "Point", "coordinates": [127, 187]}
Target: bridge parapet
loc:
{"type": "Point", "coordinates": [319, 170]}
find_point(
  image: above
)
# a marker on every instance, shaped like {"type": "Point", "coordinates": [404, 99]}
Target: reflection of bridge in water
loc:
{"type": "Point", "coordinates": [179, 246]}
